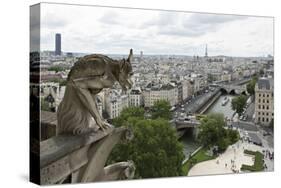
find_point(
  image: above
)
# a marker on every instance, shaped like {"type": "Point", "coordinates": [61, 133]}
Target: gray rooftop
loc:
{"type": "Point", "coordinates": [264, 83]}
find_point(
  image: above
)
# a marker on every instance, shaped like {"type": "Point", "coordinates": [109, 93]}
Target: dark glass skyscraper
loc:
{"type": "Point", "coordinates": [58, 44]}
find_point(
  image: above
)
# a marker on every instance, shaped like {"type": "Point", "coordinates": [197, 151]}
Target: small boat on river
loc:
{"type": "Point", "coordinates": [225, 101]}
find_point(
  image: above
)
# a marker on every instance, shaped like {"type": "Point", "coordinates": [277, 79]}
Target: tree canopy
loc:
{"type": "Point", "coordinates": [213, 133]}
{"type": "Point", "coordinates": [238, 103]}
{"type": "Point", "coordinates": [56, 68]}
{"type": "Point", "coordinates": [161, 109]}
{"type": "Point", "coordinates": [211, 129]}
{"type": "Point", "coordinates": [251, 86]}
{"type": "Point", "coordinates": [155, 148]}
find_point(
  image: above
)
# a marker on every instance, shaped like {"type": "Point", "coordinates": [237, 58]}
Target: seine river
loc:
{"type": "Point", "coordinates": [217, 107]}
{"type": "Point", "coordinates": [190, 145]}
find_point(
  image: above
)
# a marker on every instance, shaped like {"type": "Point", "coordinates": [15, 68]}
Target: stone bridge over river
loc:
{"type": "Point", "coordinates": [200, 104]}
{"type": "Point", "coordinates": [234, 89]}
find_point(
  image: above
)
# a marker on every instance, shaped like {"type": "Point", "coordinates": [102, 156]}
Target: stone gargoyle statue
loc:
{"type": "Point", "coordinates": [77, 112]}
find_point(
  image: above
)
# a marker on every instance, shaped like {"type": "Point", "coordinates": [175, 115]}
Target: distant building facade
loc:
{"type": "Point", "coordinates": [264, 101]}
{"type": "Point", "coordinates": [185, 91]}
{"type": "Point", "coordinates": [135, 97]}
{"type": "Point", "coordinates": [153, 93]}
{"type": "Point", "coordinates": [58, 44]}
{"type": "Point", "coordinates": [115, 102]}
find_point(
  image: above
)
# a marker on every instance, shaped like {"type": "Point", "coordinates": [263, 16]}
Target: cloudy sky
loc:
{"type": "Point", "coordinates": [106, 30]}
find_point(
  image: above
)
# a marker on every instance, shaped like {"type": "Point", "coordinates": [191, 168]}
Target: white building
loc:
{"type": "Point", "coordinates": [153, 93]}
{"type": "Point", "coordinates": [115, 102]}
{"type": "Point", "coordinates": [186, 91]}
{"type": "Point", "coordinates": [198, 82]}
{"type": "Point", "coordinates": [135, 97]}
{"type": "Point", "coordinates": [226, 76]}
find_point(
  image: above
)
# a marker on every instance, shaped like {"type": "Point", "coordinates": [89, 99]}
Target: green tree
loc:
{"type": "Point", "coordinates": [161, 109]}
{"type": "Point", "coordinates": [211, 129]}
{"type": "Point", "coordinates": [121, 120]}
{"type": "Point", "coordinates": [155, 148]}
{"type": "Point", "coordinates": [213, 133]}
{"type": "Point", "coordinates": [56, 68]}
{"type": "Point", "coordinates": [238, 103]}
{"type": "Point", "coordinates": [251, 86]}
{"type": "Point", "coordinates": [233, 135]}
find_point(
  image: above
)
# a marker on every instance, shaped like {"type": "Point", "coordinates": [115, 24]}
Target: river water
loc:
{"type": "Point", "coordinates": [190, 145]}
{"type": "Point", "coordinates": [217, 107]}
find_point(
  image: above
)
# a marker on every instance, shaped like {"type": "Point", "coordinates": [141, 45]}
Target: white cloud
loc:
{"type": "Point", "coordinates": [113, 30]}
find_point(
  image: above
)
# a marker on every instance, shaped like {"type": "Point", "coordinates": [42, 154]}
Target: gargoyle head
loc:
{"type": "Point", "coordinates": [126, 72]}
{"type": "Point", "coordinates": [130, 170]}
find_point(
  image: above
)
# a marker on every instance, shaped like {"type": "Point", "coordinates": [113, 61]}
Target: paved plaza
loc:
{"type": "Point", "coordinates": [230, 161]}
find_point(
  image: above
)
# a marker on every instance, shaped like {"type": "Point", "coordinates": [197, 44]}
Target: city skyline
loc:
{"type": "Point", "coordinates": [115, 30]}
{"type": "Point", "coordinates": [196, 91]}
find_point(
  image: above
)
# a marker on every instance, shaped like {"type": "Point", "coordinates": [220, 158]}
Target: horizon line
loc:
{"type": "Point", "coordinates": [265, 55]}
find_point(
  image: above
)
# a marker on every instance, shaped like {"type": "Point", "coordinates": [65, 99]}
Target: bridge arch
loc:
{"type": "Point", "coordinates": [223, 91]}
{"type": "Point", "coordinates": [233, 89]}
{"type": "Point", "coordinates": [233, 92]}
{"type": "Point", "coordinates": [244, 92]}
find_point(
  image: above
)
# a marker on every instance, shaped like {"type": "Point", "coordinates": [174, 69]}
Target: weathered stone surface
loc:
{"type": "Point", "coordinates": [98, 154]}
{"type": "Point", "coordinates": [55, 171]}
{"type": "Point", "coordinates": [121, 170]}
{"type": "Point", "coordinates": [83, 157]}
{"type": "Point", "coordinates": [77, 113]}
{"type": "Point", "coordinates": [48, 125]}
{"type": "Point", "coordinates": [60, 169]}
{"type": "Point", "coordinates": [83, 139]}
{"type": "Point", "coordinates": [59, 146]}
{"type": "Point", "coordinates": [48, 117]}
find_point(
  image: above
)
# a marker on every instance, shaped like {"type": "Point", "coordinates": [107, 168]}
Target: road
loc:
{"type": "Point", "coordinates": [250, 112]}
{"type": "Point", "coordinates": [191, 106]}
{"type": "Point", "coordinates": [247, 126]}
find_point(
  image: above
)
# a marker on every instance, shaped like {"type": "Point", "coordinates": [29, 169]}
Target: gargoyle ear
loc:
{"type": "Point", "coordinates": [130, 56]}
{"type": "Point", "coordinates": [122, 64]}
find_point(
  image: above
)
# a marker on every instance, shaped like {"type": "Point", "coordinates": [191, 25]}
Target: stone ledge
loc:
{"type": "Point", "coordinates": [56, 147]}
{"type": "Point", "coordinates": [83, 157]}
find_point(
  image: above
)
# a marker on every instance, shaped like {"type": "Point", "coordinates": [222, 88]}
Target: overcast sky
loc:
{"type": "Point", "coordinates": [106, 30]}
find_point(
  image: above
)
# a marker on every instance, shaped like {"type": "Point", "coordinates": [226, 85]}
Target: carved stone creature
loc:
{"type": "Point", "coordinates": [86, 79]}
{"type": "Point", "coordinates": [121, 170]}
